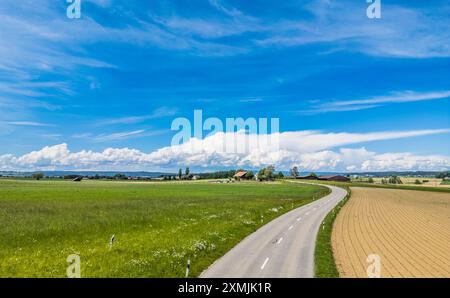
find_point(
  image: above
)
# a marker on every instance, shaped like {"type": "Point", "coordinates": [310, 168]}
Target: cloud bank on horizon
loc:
{"type": "Point", "coordinates": [307, 149]}
{"type": "Point", "coordinates": [100, 92]}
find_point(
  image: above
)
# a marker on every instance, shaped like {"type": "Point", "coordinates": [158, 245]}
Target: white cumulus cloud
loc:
{"type": "Point", "coordinates": [309, 150]}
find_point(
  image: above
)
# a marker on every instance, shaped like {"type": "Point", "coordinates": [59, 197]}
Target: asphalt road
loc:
{"type": "Point", "coordinates": [283, 247]}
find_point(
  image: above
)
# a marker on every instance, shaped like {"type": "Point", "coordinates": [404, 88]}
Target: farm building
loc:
{"type": "Point", "coordinates": [241, 175]}
{"type": "Point", "coordinates": [307, 177]}
{"type": "Point", "coordinates": [334, 178]}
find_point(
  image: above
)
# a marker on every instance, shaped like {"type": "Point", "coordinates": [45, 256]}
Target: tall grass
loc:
{"type": "Point", "coordinates": [157, 226]}
{"type": "Point", "coordinates": [325, 265]}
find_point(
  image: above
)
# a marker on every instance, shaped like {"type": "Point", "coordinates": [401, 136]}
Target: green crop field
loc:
{"type": "Point", "coordinates": [157, 226]}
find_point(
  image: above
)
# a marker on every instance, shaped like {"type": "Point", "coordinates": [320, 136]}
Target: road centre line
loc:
{"type": "Point", "coordinates": [265, 263]}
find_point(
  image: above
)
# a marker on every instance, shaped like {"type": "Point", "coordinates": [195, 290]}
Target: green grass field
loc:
{"type": "Point", "coordinates": [157, 226]}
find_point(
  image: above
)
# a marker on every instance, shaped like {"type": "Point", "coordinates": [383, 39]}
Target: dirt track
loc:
{"type": "Point", "coordinates": [409, 230]}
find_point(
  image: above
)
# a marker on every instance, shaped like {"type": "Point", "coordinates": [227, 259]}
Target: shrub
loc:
{"type": "Point", "coordinates": [37, 176]}
{"type": "Point", "coordinates": [395, 180]}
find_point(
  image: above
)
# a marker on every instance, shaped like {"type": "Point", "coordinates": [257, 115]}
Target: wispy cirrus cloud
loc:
{"type": "Point", "coordinates": [230, 11]}
{"type": "Point", "coordinates": [101, 3]}
{"type": "Point", "coordinates": [402, 32]}
{"type": "Point", "coordinates": [377, 101]}
{"type": "Point", "coordinates": [36, 88]}
{"type": "Point", "coordinates": [41, 39]}
{"type": "Point", "coordinates": [397, 97]}
{"type": "Point", "coordinates": [29, 123]}
{"type": "Point", "coordinates": [251, 99]}
{"type": "Point", "coordinates": [158, 113]}
{"type": "Point", "coordinates": [118, 135]}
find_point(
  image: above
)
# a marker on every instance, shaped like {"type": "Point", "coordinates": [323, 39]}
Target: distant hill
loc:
{"type": "Point", "coordinates": [158, 174]}
{"type": "Point", "coordinates": [394, 173]}
{"type": "Point", "coordinates": [380, 174]}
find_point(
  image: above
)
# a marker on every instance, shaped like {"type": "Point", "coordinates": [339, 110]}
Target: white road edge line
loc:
{"type": "Point", "coordinates": [265, 263]}
{"type": "Point", "coordinates": [299, 218]}
{"type": "Point", "coordinates": [290, 228]}
{"type": "Point", "coordinates": [279, 240]}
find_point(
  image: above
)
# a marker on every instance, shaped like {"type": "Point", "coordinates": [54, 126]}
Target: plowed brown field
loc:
{"type": "Point", "coordinates": [408, 229]}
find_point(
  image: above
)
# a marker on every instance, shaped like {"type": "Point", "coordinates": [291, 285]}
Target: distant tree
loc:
{"type": "Point", "coordinates": [187, 171]}
{"type": "Point", "coordinates": [280, 175]}
{"type": "Point", "coordinates": [119, 176]}
{"type": "Point", "coordinates": [250, 175]}
{"type": "Point", "coordinates": [443, 175]}
{"type": "Point", "coordinates": [294, 172]}
{"type": "Point", "coordinates": [270, 172]}
{"type": "Point", "coordinates": [417, 181]}
{"type": "Point", "coordinates": [395, 180]}
{"type": "Point", "coordinates": [180, 173]}
{"type": "Point", "coordinates": [38, 176]}
{"type": "Point", "coordinates": [314, 175]}
{"type": "Point", "coordinates": [262, 174]}
{"type": "Point", "coordinates": [266, 173]}
{"type": "Point", "coordinates": [383, 181]}
{"type": "Point", "coordinates": [370, 180]}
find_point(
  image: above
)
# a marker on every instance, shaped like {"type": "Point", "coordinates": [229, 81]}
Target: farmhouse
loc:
{"type": "Point", "coordinates": [240, 175]}
{"type": "Point", "coordinates": [334, 178]}
{"type": "Point", "coordinates": [307, 177]}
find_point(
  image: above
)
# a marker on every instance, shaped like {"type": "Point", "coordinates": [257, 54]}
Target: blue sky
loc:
{"type": "Point", "coordinates": [117, 77]}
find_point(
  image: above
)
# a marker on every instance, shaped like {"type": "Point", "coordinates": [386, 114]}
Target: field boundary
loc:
{"type": "Point", "coordinates": [388, 186]}
{"type": "Point", "coordinates": [402, 186]}
{"type": "Point", "coordinates": [324, 262]}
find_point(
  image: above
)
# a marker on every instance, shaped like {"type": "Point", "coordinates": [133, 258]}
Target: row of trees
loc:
{"type": "Point", "coordinates": [268, 174]}
{"type": "Point", "coordinates": [392, 180]}
{"type": "Point", "coordinates": [363, 180]}
{"type": "Point", "coordinates": [443, 175]}
{"type": "Point", "coordinates": [187, 172]}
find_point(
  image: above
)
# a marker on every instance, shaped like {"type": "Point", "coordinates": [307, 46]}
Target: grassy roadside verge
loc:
{"type": "Point", "coordinates": [325, 266]}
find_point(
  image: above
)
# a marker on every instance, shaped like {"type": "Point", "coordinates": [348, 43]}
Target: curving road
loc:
{"type": "Point", "coordinates": [283, 247]}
